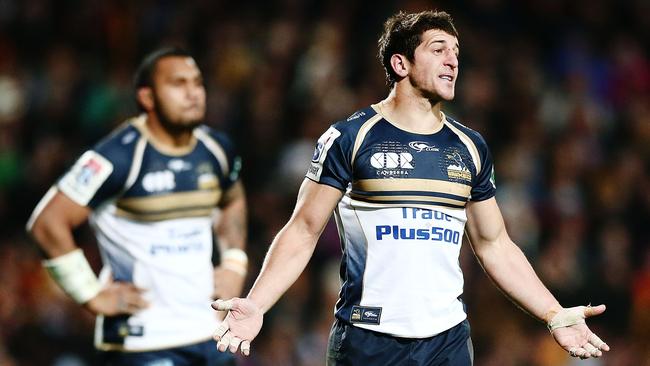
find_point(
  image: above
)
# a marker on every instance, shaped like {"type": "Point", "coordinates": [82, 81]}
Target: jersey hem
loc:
{"type": "Point", "coordinates": [403, 335]}
{"type": "Point", "coordinates": [327, 184]}
{"type": "Point", "coordinates": [122, 348]}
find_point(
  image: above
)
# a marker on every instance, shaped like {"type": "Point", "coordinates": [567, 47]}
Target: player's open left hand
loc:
{"type": "Point", "coordinates": [570, 331]}
{"type": "Point", "coordinates": [240, 327]}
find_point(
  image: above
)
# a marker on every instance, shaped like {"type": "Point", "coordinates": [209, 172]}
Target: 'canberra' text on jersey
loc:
{"type": "Point", "coordinates": [153, 209]}
{"type": "Point", "coordinates": [402, 219]}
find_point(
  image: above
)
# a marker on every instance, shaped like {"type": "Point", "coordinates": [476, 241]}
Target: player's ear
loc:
{"type": "Point", "coordinates": [400, 65]}
{"type": "Point", "coordinates": [145, 98]}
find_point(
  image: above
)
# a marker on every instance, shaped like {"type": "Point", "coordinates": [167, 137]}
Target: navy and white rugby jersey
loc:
{"type": "Point", "coordinates": [401, 219]}
{"type": "Point", "coordinates": [153, 209]}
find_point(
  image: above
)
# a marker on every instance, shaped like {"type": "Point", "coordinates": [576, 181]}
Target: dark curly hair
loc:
{"type": "Point", "coordinates": [403, 33]}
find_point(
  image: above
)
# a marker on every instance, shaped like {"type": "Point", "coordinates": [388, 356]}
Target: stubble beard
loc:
{"type": "Point", "coordinates": [429, 93]}
{"type": "Point", "coordinates": [174, 127]}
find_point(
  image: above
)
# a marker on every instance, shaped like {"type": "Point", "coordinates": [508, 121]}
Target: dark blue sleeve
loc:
{"type": "Point", "coordinates": [484, 186]}
{"type": "Point", "coordinates": [100, 173]}
{"type": "Point", "coordinates": [330, 163]}
{"type": "Point", "coordinates": [122, 158]}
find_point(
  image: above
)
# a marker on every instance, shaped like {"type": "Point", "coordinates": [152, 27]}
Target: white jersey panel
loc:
{"type": "Point", "coordinates": [171, 260]}
{"type": "Point", "coordinates": [411, 275]}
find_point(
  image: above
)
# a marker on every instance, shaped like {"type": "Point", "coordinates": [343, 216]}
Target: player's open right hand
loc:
{"type": "Point", "coordinates": [117, 298]}
{"type": "Point", "coordinates": [240, 327]}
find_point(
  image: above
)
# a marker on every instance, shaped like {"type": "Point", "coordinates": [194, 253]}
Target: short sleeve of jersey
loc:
{"type": "Point", "coordinates": [330, 163]}
{"type": "Point", "coordinates": [484, 186]}
{"type": "Point", "coordinates": [233, 158]}
{"type": "Point", "coordinates": [99, 174]}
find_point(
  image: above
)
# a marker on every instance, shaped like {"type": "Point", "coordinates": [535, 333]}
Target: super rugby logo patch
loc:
{"type": "Point", "coordinates": [325, 142]}
{"type": "Point", "coordinates": [84, 179]}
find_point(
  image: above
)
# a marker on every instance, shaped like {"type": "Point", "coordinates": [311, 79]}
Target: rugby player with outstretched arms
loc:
{"type": "Point", "coordinates": [404, 181]}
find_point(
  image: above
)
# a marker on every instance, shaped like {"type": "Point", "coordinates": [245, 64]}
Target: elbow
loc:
{"type": "Point", "coordinates": [38, 229]}
{"type": "Point", "coordinates": [35, 227]}
{"type": "Point", "coordinates": [45, 231]}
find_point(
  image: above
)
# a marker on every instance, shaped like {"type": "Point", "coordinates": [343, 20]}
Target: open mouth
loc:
{"type": "Point", "coordinates": [449, 78]}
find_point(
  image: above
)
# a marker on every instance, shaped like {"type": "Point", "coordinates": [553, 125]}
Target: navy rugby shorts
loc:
{"type": "Point", "coordinates": [352, 346]}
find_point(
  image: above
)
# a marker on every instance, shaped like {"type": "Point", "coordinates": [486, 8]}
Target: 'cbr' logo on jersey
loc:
{"type": "Point", "coordinates": [159, 181]}
{"type": "Point", "coordinates": [392, 160]}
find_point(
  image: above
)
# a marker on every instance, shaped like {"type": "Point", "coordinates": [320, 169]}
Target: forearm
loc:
{"type": "Point", "coordinates": [67, 264]}
{"type": "Point", "coordinates": [231, 228]}
{"type": "Point", "coordinates": [286, 259]}
{"type": "Point", "coordinates": [508, 267]}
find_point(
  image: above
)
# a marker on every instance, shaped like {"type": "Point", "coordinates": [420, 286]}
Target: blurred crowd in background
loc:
{"type": "Point", "coordinates": [559, 89]}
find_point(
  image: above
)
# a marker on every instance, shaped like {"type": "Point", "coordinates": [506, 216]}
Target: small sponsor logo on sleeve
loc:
{"type": "Point", "coordinates": [84, 179]}
{"type": "Point", "coordinates": [365, 314]}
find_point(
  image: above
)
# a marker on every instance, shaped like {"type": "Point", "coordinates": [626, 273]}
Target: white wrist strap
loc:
{"type": "Point", "coordinates": [567, 317]}
{"type": "Point", "coordinates": [235, 260]}
{"type": "Point", "coordinates": [73, 273]}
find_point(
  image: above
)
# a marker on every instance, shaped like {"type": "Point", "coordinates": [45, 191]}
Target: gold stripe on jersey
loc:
{"type": "Point", "coordinates": [363, 131]}
{"type": "Point", "coordinates": [471, 147]}
{"type": "Point", "coordinates": [140, 123]}
{"type": "Point", "coordinates": [412, 198]}
{"type": "Point", "coordinates": [367, 204]}
{"type": "Point", "coordinates": [412, 184]}
{"type": "Point", "coordinates": [170, 202]}
{"type": "Point", "coordinates": [178, 214]}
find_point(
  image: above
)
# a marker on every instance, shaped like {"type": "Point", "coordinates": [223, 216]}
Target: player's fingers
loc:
{"type": "Point", "coordinates": [122, 305]}
{"type": "Point", "coordinates": [577, 352]}
{"type": "Point", "coordinates": [221, 330]}
{"type": "Point", "coordinates": [582, 353]}
{"type": "Point", "coordinates": [598, 343]}
{"type": "Point", "coordinates": [245, 348]}
{"type": "Point", "coordinates": [594, 310]}
{"type": "Point", "coordinates": [131, 288]}
{"type": "Point", "coordinates": [222, 305]}
{"type": "Point", "coordinates": [593, 351]}
{"type": "Point", "coordinates": [135, 300]}
{"type": "Point", "coordinates": [234, 344]}
{"type": "Point", "coordinates": [224, 342]}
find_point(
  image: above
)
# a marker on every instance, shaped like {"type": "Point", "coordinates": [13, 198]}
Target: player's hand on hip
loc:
{"type": "Point", "coordinates": [570, 331]}
{"type": "Point", "coordinates": [240, 327]}
{"type": "Point", "coordinates": [117, 298]}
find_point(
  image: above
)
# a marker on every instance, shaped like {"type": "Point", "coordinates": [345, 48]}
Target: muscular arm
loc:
{"type": "Point", "coordinates": [231, 227]}
{"type": "Point", "coordinates": [285, 260]}
{"type": "Point", "coordinates": [505, 263]}
{"type": "Point", "coordinates": [230, 230]}
{"type": "Point", "coordinates": [52, 226]}
{"type": "Point", "coordinates": [294, 245]}
{"type": "Point", "coordinates": [507, 266]}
